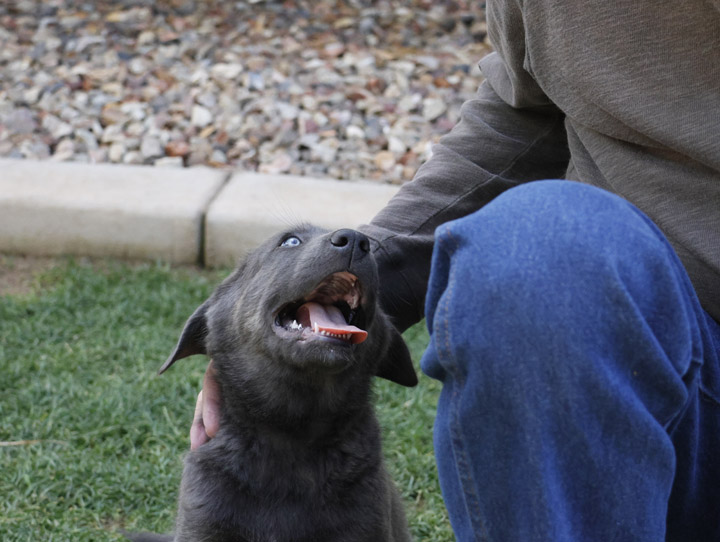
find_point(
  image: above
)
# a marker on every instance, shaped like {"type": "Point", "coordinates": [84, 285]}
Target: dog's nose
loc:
{"type": "Point", "coordinates": [349, 240]}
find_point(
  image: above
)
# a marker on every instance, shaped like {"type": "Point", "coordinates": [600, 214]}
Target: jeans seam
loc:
{"type": "Point", "coordinates": [463, 465]}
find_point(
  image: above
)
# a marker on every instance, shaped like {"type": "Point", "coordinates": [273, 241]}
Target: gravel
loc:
{"type": "Point", "coordinates": [347, 90]}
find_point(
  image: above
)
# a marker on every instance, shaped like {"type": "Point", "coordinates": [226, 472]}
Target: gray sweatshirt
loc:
{"type": "Point", "coordinates": [622, 95]}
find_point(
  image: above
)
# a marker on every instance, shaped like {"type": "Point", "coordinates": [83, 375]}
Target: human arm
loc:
{"type": "Point", "coordinates": [510, 133]}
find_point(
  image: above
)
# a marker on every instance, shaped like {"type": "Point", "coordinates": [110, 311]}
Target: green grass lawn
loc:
{"type": "Point", "coordinates": [92, 439]}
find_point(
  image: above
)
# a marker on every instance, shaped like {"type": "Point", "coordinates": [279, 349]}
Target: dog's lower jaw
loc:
{"type": "Point", "coordinates": [306, 335]}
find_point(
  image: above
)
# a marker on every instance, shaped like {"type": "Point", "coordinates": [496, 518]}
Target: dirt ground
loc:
{"type": "Point", "coordinates": [18, 273]}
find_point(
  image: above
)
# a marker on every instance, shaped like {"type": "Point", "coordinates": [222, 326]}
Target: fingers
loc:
{"type": "Point", "coordinates": [206, 419]}
{"type": "Point", "coordinates": [198, 437]}
{"type": "Point", "coordinates": [211, 402]}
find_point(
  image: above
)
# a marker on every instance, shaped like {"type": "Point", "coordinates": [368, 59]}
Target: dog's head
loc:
{"type": "Point", "coordinates": [302, 304]}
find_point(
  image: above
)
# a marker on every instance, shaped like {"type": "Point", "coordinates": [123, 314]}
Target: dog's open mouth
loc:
{"type": "Point", "coordinates": [332, 310]}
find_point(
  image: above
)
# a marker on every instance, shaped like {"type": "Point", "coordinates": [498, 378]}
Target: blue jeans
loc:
{"type": "Point", "coordinates": [580, 393]}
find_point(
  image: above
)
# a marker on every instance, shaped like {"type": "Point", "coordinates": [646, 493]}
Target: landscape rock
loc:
{"type": "Point", "coordinates": [151, 148]}
{"type": "Point", "coordinates": [201, 116]}
{"type": "Point", "coordinates": [137, 82]}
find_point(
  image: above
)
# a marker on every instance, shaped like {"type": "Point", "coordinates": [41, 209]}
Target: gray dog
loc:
{"type": "Point", "coordinates": [296, 336]}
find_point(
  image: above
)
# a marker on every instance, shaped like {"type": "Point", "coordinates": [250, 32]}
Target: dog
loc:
{"type": "Point", "coordinates": [296, 335]}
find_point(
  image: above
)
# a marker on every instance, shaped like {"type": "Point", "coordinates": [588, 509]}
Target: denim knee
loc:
{"type": "Point", "coordinates": [564, 266]}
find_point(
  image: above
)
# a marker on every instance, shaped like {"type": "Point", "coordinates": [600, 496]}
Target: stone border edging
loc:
{"type": "Point", "coordinates": [195, 215]}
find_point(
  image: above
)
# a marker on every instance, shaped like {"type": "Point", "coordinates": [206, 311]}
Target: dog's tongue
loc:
{"type": "Point", "coordinates": [329, 319]}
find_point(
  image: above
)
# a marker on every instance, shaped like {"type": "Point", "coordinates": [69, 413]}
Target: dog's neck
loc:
{"type": "Point", "coordinates": [309, 410]}
{"type": "Point", "coordinates": [319, 457]}
{"type": "Point", "coordinates": [308, 435]}
{"type": "Point", "coordinates": [301, 432]}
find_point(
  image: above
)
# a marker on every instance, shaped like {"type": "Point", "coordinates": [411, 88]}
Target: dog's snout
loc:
{"type": "Point", "coordinates": [349, 240]}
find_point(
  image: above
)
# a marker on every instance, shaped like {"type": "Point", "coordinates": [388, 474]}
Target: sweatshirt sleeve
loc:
{"type": "Point", "coordinates": [508, 134]}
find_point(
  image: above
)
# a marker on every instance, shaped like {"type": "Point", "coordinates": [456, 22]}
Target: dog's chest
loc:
{"type": "Point", "coordinates": [289, 492]}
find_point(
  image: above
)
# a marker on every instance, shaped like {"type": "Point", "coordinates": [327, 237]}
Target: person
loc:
{"type": "Point", "coordinates": [573, 322]}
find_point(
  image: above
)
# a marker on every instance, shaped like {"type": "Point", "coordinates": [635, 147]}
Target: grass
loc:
{"type": "Point", "coordinates": [93, 440]}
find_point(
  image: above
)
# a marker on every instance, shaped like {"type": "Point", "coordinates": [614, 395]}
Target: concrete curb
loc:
{"type": "Point", "coordinates": [175, 215]}
{"type": "Point", "coordinates": [252, 206]}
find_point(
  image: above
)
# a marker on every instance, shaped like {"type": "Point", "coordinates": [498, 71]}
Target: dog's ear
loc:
{"type": "Point", "coordinates": [192, 338]}
{"type": "Point", "coordinates": [397, 366]}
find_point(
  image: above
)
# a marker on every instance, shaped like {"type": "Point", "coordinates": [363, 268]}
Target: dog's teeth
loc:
{"type": "Point", "coordinates": [322, 332]}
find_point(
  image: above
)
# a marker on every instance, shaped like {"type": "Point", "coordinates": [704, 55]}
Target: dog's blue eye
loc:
{"type": "Point", "coordinates": [291, 242]}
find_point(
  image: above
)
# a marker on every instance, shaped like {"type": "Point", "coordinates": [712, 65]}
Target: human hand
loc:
{"type": "Point", "coordinates": [206, 420]}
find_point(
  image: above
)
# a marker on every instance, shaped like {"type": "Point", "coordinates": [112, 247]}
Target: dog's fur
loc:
{"type": "Point", "coordinates": [297, 457]}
